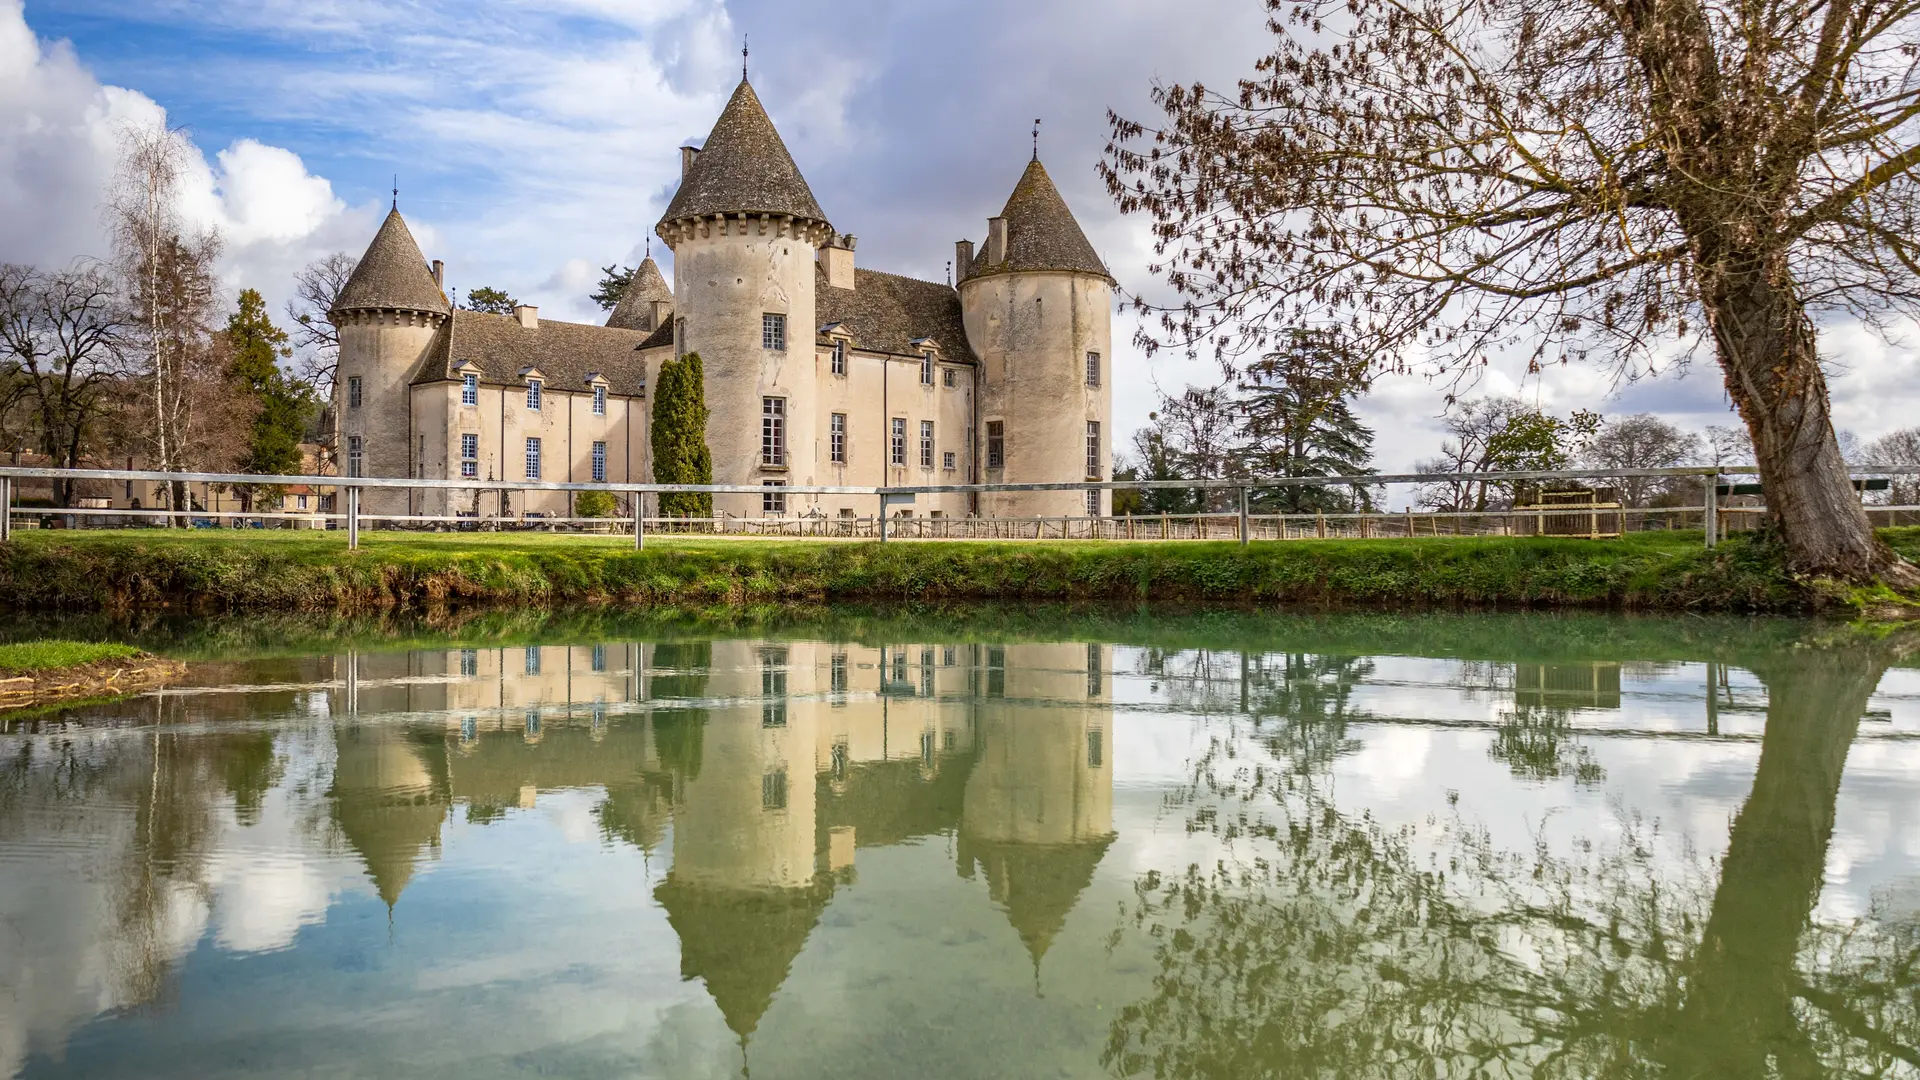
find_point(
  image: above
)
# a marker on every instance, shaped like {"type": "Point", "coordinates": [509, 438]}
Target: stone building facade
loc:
{"type": "Point", "coordinates": [817, 372]}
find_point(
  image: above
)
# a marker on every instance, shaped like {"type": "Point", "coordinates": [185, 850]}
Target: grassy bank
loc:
{"type": "Point", "coordinates": [43, 672]}
{"type": "Point", "coordinates": [120, 571]}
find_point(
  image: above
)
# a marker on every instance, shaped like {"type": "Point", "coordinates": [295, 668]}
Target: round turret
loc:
{"type": "Point", "coordinates": [387, 315]}
{"type": "Point", "coordinates": [744, 229]}
{"type": "Point", "coordinates": [1038, 306]}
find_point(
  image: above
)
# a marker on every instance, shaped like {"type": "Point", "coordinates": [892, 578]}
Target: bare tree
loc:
{"type": "Point", "coordinates": [61, 337]}
{"type": "Point", "coordinates": [1641, 441]}
{"type": "Point", "coordinates": [168, 273]}
{"type": "Point", "coordinates": [1446, 178]}
{"type": "Point", "coordinates": [315, 289]}
{"type": "Point", "coordinates": [1728, 446]}
{"type": "Point", "coordinates": [1898, 448]}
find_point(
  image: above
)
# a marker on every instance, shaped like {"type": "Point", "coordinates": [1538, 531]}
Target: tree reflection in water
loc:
{"type": "Point", "coordinates": [1326, 944]}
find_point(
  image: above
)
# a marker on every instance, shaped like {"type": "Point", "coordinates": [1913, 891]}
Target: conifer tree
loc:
{"type": "Point", "coordinates": [680, 454]}
{"type": "Point", "coordinates": [1296, 419]}
{"type": "Point", "coordinates": [285, 404]}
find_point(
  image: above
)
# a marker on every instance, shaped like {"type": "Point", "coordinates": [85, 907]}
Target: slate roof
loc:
{"type": "Point", "coordinates": [743, 167]}
{"type": "Point", "coordinates": [392, 275]}
{"type": "Point", "coordinates": [564, 352]}
{"type": "Point", "coordinates": [887, 312]}
{"type": "Point", "coordinates": [635, 309]}
{"type": "Point", "coordinates": [1041, 232]}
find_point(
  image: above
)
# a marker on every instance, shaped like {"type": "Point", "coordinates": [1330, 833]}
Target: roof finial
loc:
{"type": "Point", "coordinates": [949, 273]}
{"type": "Point", "coordinates": [743, 58]}
{"type": "Point", "coordinates": [1036, 138]}
{"type": "Point", "coordinates": [649, 247]}
{"type": "Point", "coordinates": [396, 191]}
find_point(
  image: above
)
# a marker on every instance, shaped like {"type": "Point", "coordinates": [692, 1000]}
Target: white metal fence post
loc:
{"type": "Point", "coordinates": [1713, 510]}
{"type": "Point", "coordinates": [639, 520]}
{"type": "Point", "coordinates": [1243, 517]}
{"type": "Point", "coordinates": [353, 518]}
{"type": "Point", "coordinates": [6, 509]}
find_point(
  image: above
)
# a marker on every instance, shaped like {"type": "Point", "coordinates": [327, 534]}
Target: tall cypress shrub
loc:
{"type": "Point", "coordinates": [680, 454]}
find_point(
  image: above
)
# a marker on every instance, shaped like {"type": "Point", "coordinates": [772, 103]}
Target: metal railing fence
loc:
{"type": "Point", "coordinates": [1241, 523]}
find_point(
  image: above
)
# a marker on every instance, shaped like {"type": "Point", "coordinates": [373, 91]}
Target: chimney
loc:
{"type": "Point", "coordinates": [962, 259]}
{"type": "Point", "coordinates": [662, 313]}
{"type": "Point", "coordinates": [687, 154]}
{"type": "Point", "coordinates": [996, 240]}
{"type": "Point", "coordinates": [837, 259]}
{"type": "Point", "coordinates": [528, 315]}
{"type": "Point", "coordinates": [439, 274]}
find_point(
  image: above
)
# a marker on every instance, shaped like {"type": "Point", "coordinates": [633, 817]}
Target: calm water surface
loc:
{"type": "Point", "coordinates": [1179, 846]}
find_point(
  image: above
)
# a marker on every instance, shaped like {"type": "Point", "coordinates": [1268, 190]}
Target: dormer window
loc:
{"type": "Point", "coordinates": [840, 358]}
{"type": "Point", "coordinates": [599, 399]}
{"type": "Point", "coordinates": [469, 389]}
{"type": "Point", "coordinates": [926, 369]}
{"type": "Point", "coordinates": [533, 394]}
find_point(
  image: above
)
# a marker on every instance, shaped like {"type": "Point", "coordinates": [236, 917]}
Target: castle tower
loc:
{"type": "Point", "coordinates": [744, 229]}
{"type": "Point", "coordinates": [387, 314]}
{"type": "Point", "coordinates": [647, 303]}
{"type": "Point", "coordinates": [1038, 307]}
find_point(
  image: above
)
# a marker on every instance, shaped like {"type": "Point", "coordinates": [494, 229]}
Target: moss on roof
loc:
{"type": "Point", "coordinates": [1041, 232]}
{"type": "Point", "coordinates": [635, 310]}
{"type": "Point", "coordinates": [392, 275]}
{"type": "Point", "coordinates": [743, 167]}
{"type": "Point", "coordinates": [888, 313]}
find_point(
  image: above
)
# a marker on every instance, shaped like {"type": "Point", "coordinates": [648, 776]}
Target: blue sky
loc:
{"type": "Point", "coordinates": [534, 141]}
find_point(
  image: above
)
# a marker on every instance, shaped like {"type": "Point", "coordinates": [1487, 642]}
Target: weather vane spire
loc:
{"type": "Point", "coordinates": [396, 191]}
{"type": "Point", "coordinates": [743, 57]}
{"type": "Point", "coordinates": [1036, 138]}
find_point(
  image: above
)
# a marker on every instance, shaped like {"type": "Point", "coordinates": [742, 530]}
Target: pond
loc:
{"type": "Point", "coordinates": [972, 844]}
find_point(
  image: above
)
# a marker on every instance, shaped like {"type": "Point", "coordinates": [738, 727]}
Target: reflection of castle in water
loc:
{"type": "Point", "coordinates": [772, 763]}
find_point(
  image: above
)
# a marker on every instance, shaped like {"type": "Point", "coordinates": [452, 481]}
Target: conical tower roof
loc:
{"type": "Point", "coordinates": [744, 168]}
{"type": "Point", "coordinates": [635, 309]}
{"type": "Point", "coordinates": [392, 275]}
{"type": "Point", "coordinates": [1037, 884]}
{"type": "Point", "coordinates": [740, 942]}
{"type": "Point", "coordinates": [1041, 232]}
{"type": "Point", "coordinates": [390, 800]}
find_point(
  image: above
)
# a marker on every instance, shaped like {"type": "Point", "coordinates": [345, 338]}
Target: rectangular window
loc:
{"type": "Point", "coordinates": [1096, 752]}
{"type": "Point", "coordinates": [996, 672]}
{"type": "Point", "coordinates": [946, 461]}
{"type": "Point", "coordinates": [946, 656]}
{"type": "Point", "coordinates": [926, 672]}
{"type": "Point", "coordinates": [599, 462]}
{"type": "Point", "coordinates": [356, 455]}
{"type": "Point", "coordinates": [898, 451]}
{"type": "Point", "coordinates": [533, 722]}
{"type": "Point", "coordinates": [1093, 450]}
{"type": "Point", "coordinates": [533, 394]}
{"type": "Point", "coordinates": [533, 659]}
{"type": "Point", "coordinates": [773, 332]}
{"type": "Point", "coordinates": [837, 439]}
{"type": "Point", "coordinates": [837, 674]}
{"type": "Point", "coordinates": [773, 431]}
{"type": "Point", "coordinates": [837, 762]}
{"type": "Point", "coordinates": [469, 456]}
{"type": "Point", "coordinates": [1093, 670]}
{"type": "Point", "coordinates": [599, 658]}
{"type": "Point", "coordinates": [996, 444]}
{"type": "Point", "coordinates": [926, 444]}
{"type": "Point", "coordinates": [1093, 369]}
{"type": "Point", "coordinates": [926, 369]}
{"type": "Point", "coordinates": [300, 502]}
{"type": "Point", "coordinates": [839, 358]}
{"type": "Point", "coordinates": [353, 391]}
{"type": "Point", "coordinates": [949, 379]}
{"type": "Point", "coordinates": [1093, 502]}
{"type": "Point", "coordinates": [533, 458]}
{"type": "Point", "coordinates": [926, 749]}
{"type": "Point", "coordinates": [773, 500]}
{"type": "Point", "coordinates": [469, 389]}
{"type": "Point", "coordinates": [599, 401]}
{"type": "Point", "coordinates": [469, 662]}
{"type": "Point", "coordinates": [773, 688]}
{"type": "Point", "coordinates": [773, 791]}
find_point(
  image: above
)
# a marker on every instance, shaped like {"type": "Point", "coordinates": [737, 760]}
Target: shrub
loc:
{"type": "Point", "coordinates": [593, 504]}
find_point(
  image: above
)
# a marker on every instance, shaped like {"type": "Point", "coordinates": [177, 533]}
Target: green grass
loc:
{"type": "Point", "coordinates": [313, 571]}
{"type": "Point", "coordinates": [31, 656]}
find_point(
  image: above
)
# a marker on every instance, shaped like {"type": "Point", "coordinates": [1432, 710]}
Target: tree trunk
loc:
{"type": "Point", "coordinates": [1766, 350]}
{"type": "Point", "coordinates": [1739, 1010]}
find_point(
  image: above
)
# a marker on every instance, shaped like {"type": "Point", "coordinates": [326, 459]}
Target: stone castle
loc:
{"type": "Point", "coordinates": [817, 373]}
